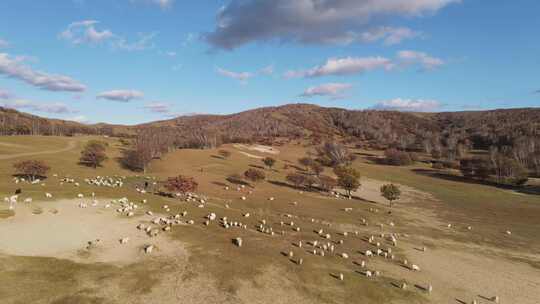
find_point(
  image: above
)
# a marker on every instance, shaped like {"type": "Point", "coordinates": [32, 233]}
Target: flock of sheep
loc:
{"type": "Point", "coordinates": [324, 243]}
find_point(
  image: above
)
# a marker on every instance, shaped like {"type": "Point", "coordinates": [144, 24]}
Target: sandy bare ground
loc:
{"type": "Point", "coordinates": [258, 148]}
{"type": "Point", "coordinates": [70, 146]}
{"type": "Point", "coordinates": [62, 230]}
{"type": "Point", "coordinates": [463, 273]}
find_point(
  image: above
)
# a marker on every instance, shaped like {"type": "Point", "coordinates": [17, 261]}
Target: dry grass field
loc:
{"type": "Point", "coordinates": [43, 255]}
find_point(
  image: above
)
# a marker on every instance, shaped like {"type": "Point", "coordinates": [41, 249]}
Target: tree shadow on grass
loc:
{"type": "Point", "coordinates": [527, 189]}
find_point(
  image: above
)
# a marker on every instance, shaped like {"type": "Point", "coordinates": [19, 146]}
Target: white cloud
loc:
{"type": "Point", "coordinates": [144, 42]}
{"type": "Point", "coordinates": [426, 61]}
{"type": "Point", "coordinates": [390, 35]}
{"type": "Point", "coordinates": [28, 105]}
{"type": "Point", "coordinates": [243, 77]}
{"type": "Point", "coordinates": [334, 90]}
{"type": "Point", "coordinates": [268, 70]}
{"type": "Point", "coordinates": [312, 21]}
{"type": "Point", "coordinates": [80, 119]}
{"type": "Point", "coordinates": [14, 67]}
{"type": "Point", "coordinates": [4, 44]}
{"type": "Point", "coordinates": [408, 105]}
{"type": "Point", "coordinates": [85, 32]}
{"type": "Point", "coordinates": [164, 3]}
{"type": "Point", "coordinates": [344, 66]}
{"type": "Point", "coordinates": [121, 95]}
{"type": "Point", "coordinates": [158, 107]}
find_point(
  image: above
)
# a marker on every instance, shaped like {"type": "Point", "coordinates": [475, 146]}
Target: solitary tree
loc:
{"type": "Point", "coordinates": [93, 154]}
{"type": "Point", "coordinates": [182, 184]}
{"type": "Point", "coordinates": [224, 153]}
{"type": "Point", "coordinates": [349, 183]}
{"type": "Point", "coordinates": [348, 178]}
{"type": "Point", "coordinates": [269, 162]}
{"type": "Point", "coordinates": [31, 169]}
{"type": "Point", "coordinates": [254, 175]}
{"type": "Point", "coordinates": [390, 192]}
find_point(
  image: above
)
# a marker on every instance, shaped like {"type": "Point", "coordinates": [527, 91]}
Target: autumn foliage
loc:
{"type": "Point", "coordinates": [31, 169]}
{"type": "Point", "coordinates": [182, 184]}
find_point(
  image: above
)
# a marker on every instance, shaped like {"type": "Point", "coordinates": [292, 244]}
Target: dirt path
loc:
{"type": "Point", "coordinates": [70, 146]}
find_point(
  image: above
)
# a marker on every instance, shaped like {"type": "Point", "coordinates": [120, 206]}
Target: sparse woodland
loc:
{"type": "Point", "coordinates": [500, 146]}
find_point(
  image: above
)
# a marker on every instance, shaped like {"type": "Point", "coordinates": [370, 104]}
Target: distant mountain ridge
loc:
{"type": "Point", "coordinates": [301, 120]}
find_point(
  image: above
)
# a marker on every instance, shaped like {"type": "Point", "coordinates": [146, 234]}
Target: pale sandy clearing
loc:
{"type": "Point", "coordinates": [63, 229]}
{"type": "Point", "coordinates": [258, 148]}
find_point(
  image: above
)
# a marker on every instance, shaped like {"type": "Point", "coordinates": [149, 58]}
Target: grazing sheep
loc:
{"type": "Point", "coordinates": [368, 253]}
{"type": "Point", "coordinates": [341, 276]}
{"type": "Point", "coordinates": [243, 198]}
{"type": "Point", "coordinates": [429, 288]}
{"type": "Point", "coordinates": [300, 261]}
{"type": "Point", "coordinates": [495, 299]}
{"type": "Point", "coordinates": [28, 200]}
{"type": "Point", "coordinates": [167, 228]}
{"type": "Point", "coordinates": [363, 264]}
{"type": "Point", "coordinates": [130, 214]}
{"type": "Point", "coordinates": [238, 241]}
{"type": "Point", "coordinates": [80, 195]}
{"type": "Point", "coordinates": [291, 254]}
{"type": "Point", "coordinates": [148, 249]}
{"type": "Point", "coordinates": [415, 267]}
{"type": "Point", "coordinates": [344, 255]}
{"type": "Point", "coordinates": [48, 195]}
{"type": "Point", "coordinates": [508, 232]}
{"type": "Point", "coordinates": [403, 286]}
{"type": "Point", "coordinates": [368, 273]}
{"type": "Point", "coordinates": [124, 240]}
{"type": "Point", "coordinates": [140, 226]}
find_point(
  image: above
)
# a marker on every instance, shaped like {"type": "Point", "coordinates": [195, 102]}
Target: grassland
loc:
{"type": "Point", "coordinates": [214, 271]}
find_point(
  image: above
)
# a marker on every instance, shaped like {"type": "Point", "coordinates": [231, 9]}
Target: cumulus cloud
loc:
{"type": "Point", "coordinates": [333, 90]}
{"type": "Point", "coordinates": [86, 32]}
{"type": "Point", "coordinates": [158, 107]}
{"type": "Point", "coordinates": [343, 66]}
{"type": "Point", "coordinates": [80, 119]}
{"type": "Point", "coordinates": [14, 67]}
{"type": "Point", "coordinates": [310, 21]}
{"type": "Point", "coordinates": [243, 77]}
{"type": "Point", "coordinates": [121, 95]}
{"type": "Point", "coordinates": [4, 44]}
{"type": "Point", "coordinates": [28, 105]}
{"type": "Point", "coordinates": [408, 105]}
{"type": "Point", "coordinates": [413, 57]}
{"type": "Point", "coordinates": [390, 35]}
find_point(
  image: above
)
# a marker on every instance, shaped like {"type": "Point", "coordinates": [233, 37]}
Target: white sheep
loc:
{"type": "Point", "coordinates": [148, 249]}
{"type": "Point", "coordinates": [124, 240]}
{"type": "Point", "coordinates": [80, 195]}
{"type": "Point", "coordinates": [238, 241]}
{"type": "Point", "coordinates": [341, 276]}
{"type": "Point", "coordinates": [48, 195]}
{"type": "Point", "coordinates": [415, 267]}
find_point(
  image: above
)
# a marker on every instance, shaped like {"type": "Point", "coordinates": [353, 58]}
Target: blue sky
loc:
{"type": "Point", "coordinates": [132, 61]}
